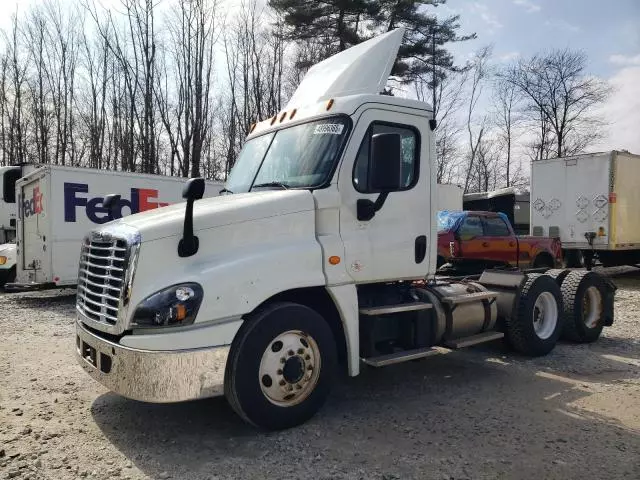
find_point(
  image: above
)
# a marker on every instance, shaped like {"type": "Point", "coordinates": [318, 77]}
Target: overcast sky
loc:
{"type": "Point", "coordinates": [609, 32]}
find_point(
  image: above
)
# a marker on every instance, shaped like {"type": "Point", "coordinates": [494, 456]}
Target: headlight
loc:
{"type": "Point", "coordinates": [173, 306]}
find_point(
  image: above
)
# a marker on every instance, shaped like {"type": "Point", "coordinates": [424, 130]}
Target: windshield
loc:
{"type": "Point", "coordinates": [447, 220]}
{"type": "Point", "coordinates": [302, 156]}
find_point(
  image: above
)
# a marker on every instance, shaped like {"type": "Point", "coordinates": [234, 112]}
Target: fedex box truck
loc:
{"type": "Point", "coordinates": [58, 205]}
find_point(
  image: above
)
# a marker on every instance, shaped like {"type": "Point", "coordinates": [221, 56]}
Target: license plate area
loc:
{"type": "Point", "coordinates": [92, 356]}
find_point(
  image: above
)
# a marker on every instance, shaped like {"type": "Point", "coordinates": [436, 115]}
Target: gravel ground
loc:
{"type": "Point", "coordinates": [476, 413]}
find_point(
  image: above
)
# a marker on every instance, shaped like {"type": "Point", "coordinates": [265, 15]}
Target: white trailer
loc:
{"type": "Point", "coordinates": [449, 196]}
{"type": "Point", "coordinates": [9, 175]}
{"type": "Point", "coordinates": [592, 203]}
{"type": "Point", "coordinates": [58, 205]}
{"type": "Point", "coordinates": [321, 259]}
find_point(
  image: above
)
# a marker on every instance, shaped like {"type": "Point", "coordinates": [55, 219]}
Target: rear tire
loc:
{"type": "Point", "coordinates": [558, 274]}
{"type": "Point", "coordinates": [281, 366]}
{"type": "Point", "coordinates": [536, 323]}
{"type": "Point", "coordinates": [584, 295]}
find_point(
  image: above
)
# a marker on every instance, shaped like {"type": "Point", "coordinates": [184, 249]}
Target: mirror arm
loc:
{"type": "Point", "coordinates": [366, 209]}
{"type": "Point", "coordinates": [189, 243]}
{"type": "Point", "coordinates": [380, 201]}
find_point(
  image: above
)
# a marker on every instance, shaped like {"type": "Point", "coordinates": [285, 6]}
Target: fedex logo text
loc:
{"type": "Point", "coordinates": [33, 205]}
{"type": "Point", "coordinates": [142, 199]}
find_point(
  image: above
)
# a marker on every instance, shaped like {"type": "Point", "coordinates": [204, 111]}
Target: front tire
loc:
{"type": "Point", "coordinates": [281, 366]}
{"type": "Point", "coordinates": [583, 295]}
{"type": "Point", "coordinates": [536, 325]}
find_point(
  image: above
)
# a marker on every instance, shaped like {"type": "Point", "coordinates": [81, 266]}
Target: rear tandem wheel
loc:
{"type": "Point", "coordinates": [536, 325]}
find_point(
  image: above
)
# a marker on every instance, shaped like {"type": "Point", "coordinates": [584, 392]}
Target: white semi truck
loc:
{"type": "Point", "coordinates": [591, 202]}
{"type": "Point", "coordinates": [58, 205]}
{"type": "Point", "coordinates": [321, 257]}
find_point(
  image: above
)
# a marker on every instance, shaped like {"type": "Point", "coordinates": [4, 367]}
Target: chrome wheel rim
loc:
{"type": "Point", "coordinates": [545, 315]}
{"type": "Point", "coordinates": [289, 368]}
{"type": "Point", "coordinates": [592, 307]}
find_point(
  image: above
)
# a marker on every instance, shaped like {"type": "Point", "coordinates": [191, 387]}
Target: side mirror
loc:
{"type": "Point", "coordinates": [385, 169]}
{"type": "Point", "coordinates": [111, 203]}
{"type": "Point", "coordinates": [192, 191]}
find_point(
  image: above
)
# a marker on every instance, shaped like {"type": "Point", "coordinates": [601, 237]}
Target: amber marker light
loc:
{"type": "Point", "coordinates": [293, 113]}
{"type": "Point", "coordinates": [334, 260]}
{"type": "Point", "coordinates": [330, 104]}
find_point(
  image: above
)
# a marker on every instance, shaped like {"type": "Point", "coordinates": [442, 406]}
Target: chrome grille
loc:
{"type": "Point", "coordinates": [102, 278]}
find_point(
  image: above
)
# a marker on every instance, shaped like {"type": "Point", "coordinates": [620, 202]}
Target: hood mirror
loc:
{"type": "Point", "coordinates": [112, 203]}
{"type": "Point", "coordinates": [193, 190]}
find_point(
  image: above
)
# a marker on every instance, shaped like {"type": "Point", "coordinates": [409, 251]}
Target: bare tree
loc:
{"type": "Point", "coordinates": [561, 96]}
{"type": "Point", "coordinates": [476, 128]}
{"type": "Point", "coordinates": [505, 102]}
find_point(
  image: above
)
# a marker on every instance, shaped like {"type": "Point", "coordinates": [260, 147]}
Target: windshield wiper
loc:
{"type": "Point", "coordinates": [272, 184]}
{"type": "Point", "coordinates": [225, 190]}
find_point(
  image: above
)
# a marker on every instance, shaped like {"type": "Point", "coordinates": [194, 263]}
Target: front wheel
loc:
{"type": "Point", "coordinates": [536, 323]}
{"type": "Point", "coordinates": [281, 366]}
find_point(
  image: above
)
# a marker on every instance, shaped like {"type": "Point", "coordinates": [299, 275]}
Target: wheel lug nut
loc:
{"type": "Point", "coordinates": [307, 357]}
{"type": "Point", "coordinates": [300, 351]}
{"type": "Point", "coordinates": [290, 352]}
{"type": "Point", "coordinates": [310, 367]}
{"type": "Point", "coordinates": [282, 360]}
{"type": "Point", "coordinates": [279, 372]}
{"type": "Point", "coordinates": [282, 383]}
{"type": "Point", "coordinates": [290, 388]}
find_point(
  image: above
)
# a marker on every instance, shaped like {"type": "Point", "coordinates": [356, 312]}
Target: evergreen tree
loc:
{"type": "Point", "coordinates": [335, 25]}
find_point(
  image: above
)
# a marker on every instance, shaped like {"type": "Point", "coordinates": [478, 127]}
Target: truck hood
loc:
{"type": "Point", "coordinates": [219, 211]}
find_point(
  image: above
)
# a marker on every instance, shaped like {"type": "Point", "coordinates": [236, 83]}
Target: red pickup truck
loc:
{"type": "Point", "coordinates": [487, 239]}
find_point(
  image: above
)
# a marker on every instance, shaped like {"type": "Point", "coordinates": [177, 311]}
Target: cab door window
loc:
{"type": "Point", "coordinates": [410, 147]}
{"type": "Point", "coordinates": [470, 228]}
{"type": "Point", "coordinates": [496, 227]}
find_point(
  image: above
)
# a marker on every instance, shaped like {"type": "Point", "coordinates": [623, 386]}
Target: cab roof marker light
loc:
{"type": "Point", "coordinates": [293, 113]}
{"type": "Point", "coordinates": [283, 116]}
{"type": "Point", "coordinates": [273, 120]}
{"type": "Point", "coordinates": [253, 127]}
{"type": "Point", "coordinates": [329, 104]}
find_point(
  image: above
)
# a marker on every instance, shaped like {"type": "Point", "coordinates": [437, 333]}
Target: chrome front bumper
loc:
{"type": "Point", "coordinates": [152, 376]}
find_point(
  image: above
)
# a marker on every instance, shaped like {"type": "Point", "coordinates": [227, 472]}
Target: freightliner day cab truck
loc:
{"type": "Point", "coordinates": [320, 257]}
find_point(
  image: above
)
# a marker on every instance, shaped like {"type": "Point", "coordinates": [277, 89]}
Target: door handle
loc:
{"type": "Point", "coordinates": [485, 244]}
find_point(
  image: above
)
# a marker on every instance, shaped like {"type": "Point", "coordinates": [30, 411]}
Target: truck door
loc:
{"type": "Point", "coordinates": [395, 243]}
{"type": "Point", "coordinates": [33, 218]}
{"type": "Point", "coordinates": [502, 246]}
{"type": "Point", "coordinates": [470, 237]}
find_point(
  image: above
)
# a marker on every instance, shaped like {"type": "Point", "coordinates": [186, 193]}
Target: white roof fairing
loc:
{"type": "Point", "coordinates": [362, 69]}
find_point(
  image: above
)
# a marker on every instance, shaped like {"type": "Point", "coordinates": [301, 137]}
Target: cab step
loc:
{"type": "Point", "coordinates": [403, 356]}
{"type": "Point", "coordinates": [469, 298]}
{"type": "Point", "coordinates": [400, 308]}
{"type": "Point", "coordinates": [474, 340]}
